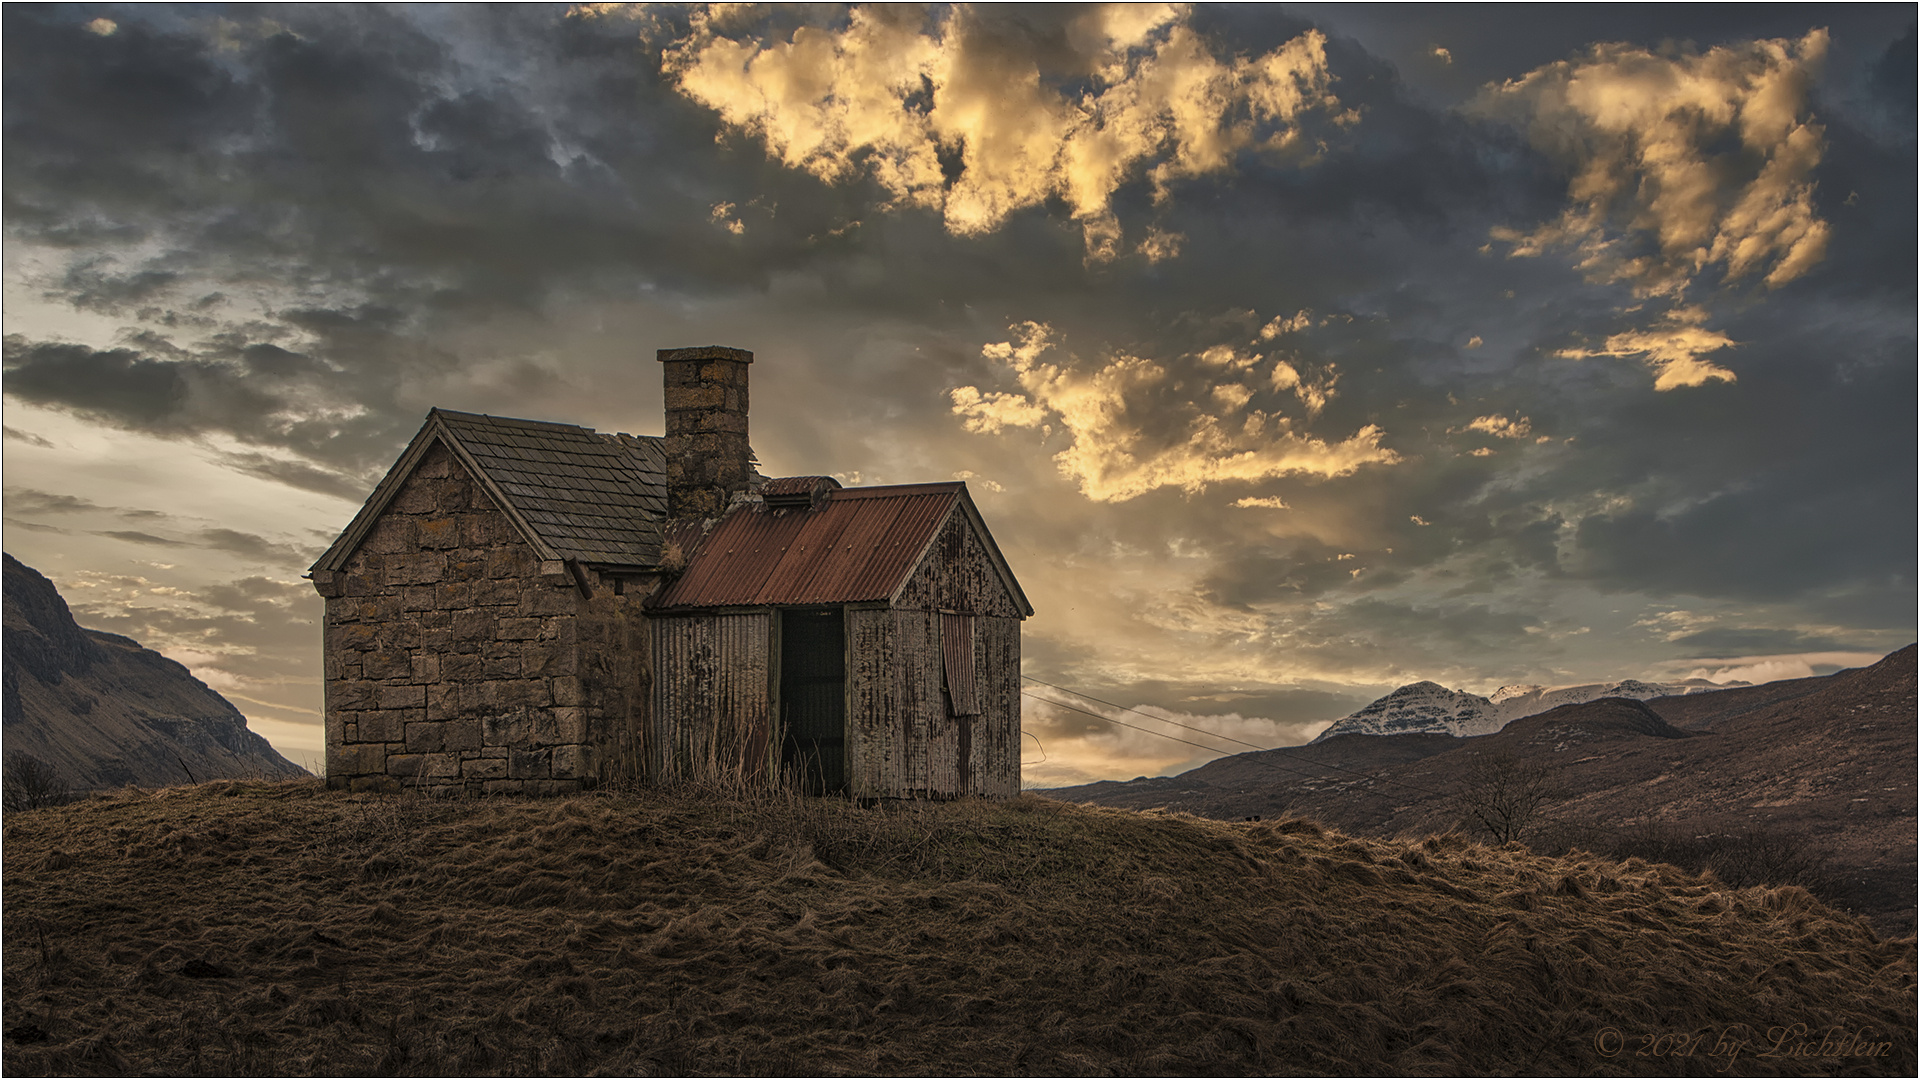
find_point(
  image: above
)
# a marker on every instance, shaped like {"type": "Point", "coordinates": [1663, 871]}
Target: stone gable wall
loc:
{"type": "Point", "coordinates": [457, 662]}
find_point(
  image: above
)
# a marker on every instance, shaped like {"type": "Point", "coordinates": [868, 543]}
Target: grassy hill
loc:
{"type": "Point", "coordinates": [248, 928]}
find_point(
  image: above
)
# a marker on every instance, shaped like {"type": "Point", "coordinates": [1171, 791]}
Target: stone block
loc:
{"type": "Point", "coordinates": [393, 534]}
{"type": "Point", "coordinates": [434, 464]}
{"type": "Point", "coordinates": [517, 629]}
{"type": "Point", "coordinates": [357, 759]}
{"type": "Point", "coordinates": [358, 638]}
{"type": "Point", "coordinates": [383, 725]}
{"type": "Point", "coordinates": [695, 397]}
{"type": "Point", "coordinates": [554, 572]}
{"type": "Point", "coordinates": [439, 533]}
{"type": "Point", "coordinates": [403, 696]}
{"type": "Point", "coordinates": [466, 566]}
{"type": "Point", "coordinates": [561, 600]}
{"type": "Point", "coordinates": [340, 664]}
{"type": "Point", "coordinates": [502, 787]}
{"type": "Point", "coordinates": [547, 659]}
{"type": "Point", "coordinates": [484, 769]}
{"type": "Point", "coordinates": [417, 597]}
{"type": "Point", "coordinates": [505, 728]}
{"type": "Point", "coordinates": [453, 596]}
{"type": "Point", "coordinates": [569, 725]}
{"type": "Point", "coordinates": [474, 625]}
{"type": "Point", "coordinates": [500, 665]}
{"type": "Point", "coordinates": [510, 562]}
{"type": "Point", "coordinates": [459, 666]}
{"type": "Point", "coordinates": [514, 693]}
{"type": "Point", "coordinates": [439, 736]}
{"type": "Point", "coordinates": [569, 762]}
{"type": "Point", "coordinates": [388, 664]}
{"type": "Point", "coordinates": [426, 668]}
{"type": "Point", "coordinates": [446, 701]}
{"type": "Point", "coordinates": [568, 691]}
{"type": "Point", "coordinates": [349, 694]}
{"type": "Point", "coordinates": [335, 722]}
{"type": "Point", "coordinates": [420, 568]}
{"type": "Point", "coordinates": [425, 767]}
{"type": "Point", "coordinates": [416, 497]}
{"type": "Point", "coordinates": [528, 764]}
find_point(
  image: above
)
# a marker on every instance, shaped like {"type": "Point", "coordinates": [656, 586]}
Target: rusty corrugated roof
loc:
{"type": "Point", "coordinates": [859, 546]}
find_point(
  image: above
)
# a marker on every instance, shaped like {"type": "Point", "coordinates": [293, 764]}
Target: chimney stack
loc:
{"type": "Point", "coordinates": [708, 459]}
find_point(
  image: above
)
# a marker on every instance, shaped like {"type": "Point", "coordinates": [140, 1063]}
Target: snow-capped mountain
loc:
{"type": "Point", "coordinates": [1430, 707]}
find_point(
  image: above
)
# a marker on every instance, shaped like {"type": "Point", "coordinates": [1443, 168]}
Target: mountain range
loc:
{"type": "Point", "coordinates": [1821, 765]}
{"type": "Point", "coordinates": [1430, 707]}
{"type": "Point", "coordinates": [98, 710]}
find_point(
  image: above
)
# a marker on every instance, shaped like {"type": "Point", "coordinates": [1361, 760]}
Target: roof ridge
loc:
{"type": "Point", "coordinates": [518, 421]}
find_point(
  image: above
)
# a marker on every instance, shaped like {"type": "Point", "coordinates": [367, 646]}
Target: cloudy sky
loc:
{"type": "Point", "coordinates": [1293, 353]}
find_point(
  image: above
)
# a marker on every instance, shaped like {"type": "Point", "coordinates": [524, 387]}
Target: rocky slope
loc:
{"type": "Point", "coordinates": [100, 711]}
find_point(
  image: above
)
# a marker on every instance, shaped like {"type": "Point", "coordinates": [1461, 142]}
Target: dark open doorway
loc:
{"type": "Point", "coordinates": [813, 703]}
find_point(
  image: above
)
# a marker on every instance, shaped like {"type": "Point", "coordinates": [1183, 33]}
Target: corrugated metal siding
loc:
{"type": "Point", "coordinates": [958, 575]}
{"type": "Point", "coordinates": [956, 654]}
{"type": "Point", "coordinates": [712, 709]}
{"type": "Point", "coordinates": [858, 547]}
{"type": "Point", "coordinates": [998, 735]}
{"type": "Point", "coordinates": [875, 732]}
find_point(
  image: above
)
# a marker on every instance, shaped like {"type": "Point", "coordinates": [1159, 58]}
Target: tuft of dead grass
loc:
{"type": "Point", "coordinates": [252, 928]}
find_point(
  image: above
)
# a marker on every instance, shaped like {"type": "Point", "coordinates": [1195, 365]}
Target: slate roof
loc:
{"type": "Point", "coordinates": [861, 544]}
{"type": "Point", "coordinates": [575, 493]}
{"type": "Point", "coordinates": [592, 497]}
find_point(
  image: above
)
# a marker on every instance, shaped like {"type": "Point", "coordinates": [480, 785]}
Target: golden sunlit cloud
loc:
{"type": "Point", "coordinates": [1683, 162]}
{"type": "Point", "coordinates": [897, 89]}
{"type": "Point", "coordinates": [1673, 347]}
{"type": "Point", "coordinates": [1708, 155]}
{"type": "Point", "coordinates": [1266, 502]}
{"type": "Point", "coordinates": [1501, 427]}
{"type": "Point", "coordinates": [102, 26]}
{"type": "Point", "coordinates": [1102, 408]}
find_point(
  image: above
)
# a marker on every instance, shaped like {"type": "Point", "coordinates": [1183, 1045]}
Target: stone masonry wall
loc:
{"type": "Point", "coordinates": [458, 662]}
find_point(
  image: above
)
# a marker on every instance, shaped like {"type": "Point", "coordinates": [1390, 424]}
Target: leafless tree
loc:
{"type": "Point", "coordinates": [27, 783]}
{"type": "Point", "coordinates": [1504, 795]}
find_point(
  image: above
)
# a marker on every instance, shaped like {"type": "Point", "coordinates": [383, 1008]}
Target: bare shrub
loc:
{"type": "Point", "coordinates": [1504, 796]}
{"type": "Point", "coordinates": [27, 783]}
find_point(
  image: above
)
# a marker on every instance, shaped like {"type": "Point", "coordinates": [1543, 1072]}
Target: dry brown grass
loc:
{"type": "Point", "coordinates": [247, 928]}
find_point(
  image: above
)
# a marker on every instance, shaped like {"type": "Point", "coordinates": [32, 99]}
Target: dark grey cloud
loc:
{"type": "Point", "coordinates": [31, 501]}
{"type": "Point", "coordinates": [1760, 641]}
{"type": "Point", "coordinates": [133, 536]}
{"type": "Point", "coordinates": [28, 437]}
{"type": "Point", "coordinates": [311, 224]}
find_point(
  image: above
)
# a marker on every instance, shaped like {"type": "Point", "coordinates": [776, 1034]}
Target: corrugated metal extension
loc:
{"type": "Point", "coordinates": [712, 701]}
{"type": "Point", "coordinates": [857, 547]}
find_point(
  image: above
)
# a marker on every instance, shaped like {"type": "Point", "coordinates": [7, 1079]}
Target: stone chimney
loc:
{"type": "Point", "coordinates": [708, 460]}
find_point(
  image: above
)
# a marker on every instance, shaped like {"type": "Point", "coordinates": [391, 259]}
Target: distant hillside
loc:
{"type": "Point", "coordinates": [1825, 763]}
{"type": "Point", "coordinates": [101, 711]}
{"type": "Point", "coordinates": [1428, 707]}
{"type": "Point", "coordinates": [280, 929]}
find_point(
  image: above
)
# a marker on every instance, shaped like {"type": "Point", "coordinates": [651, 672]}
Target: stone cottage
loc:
{"type": "Point", "coordinates": [535, 607]}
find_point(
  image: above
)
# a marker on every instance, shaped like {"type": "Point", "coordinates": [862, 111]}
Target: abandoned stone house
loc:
{"type": "Point", "coordinates": [535, 607]}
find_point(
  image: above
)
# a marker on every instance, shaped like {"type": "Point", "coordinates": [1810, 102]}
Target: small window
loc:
{"type": "Point", "coordinates": [956, 650]}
